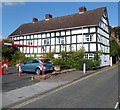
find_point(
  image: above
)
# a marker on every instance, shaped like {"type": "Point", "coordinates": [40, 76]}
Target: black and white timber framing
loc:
{"type": "Point", "coordinates": [92, 37]}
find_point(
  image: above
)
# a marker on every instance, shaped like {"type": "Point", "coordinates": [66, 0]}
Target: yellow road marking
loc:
{"type": "Point", "coordinates": [58, 89]}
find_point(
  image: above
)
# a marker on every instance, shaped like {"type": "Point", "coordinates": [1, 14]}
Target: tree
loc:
{"type": "Point", "coordinates": [114, 48]}
{"type": "Point", "coordinates": [8, 51]}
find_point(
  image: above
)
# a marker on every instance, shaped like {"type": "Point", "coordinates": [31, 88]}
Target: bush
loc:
{"type": "Point", "coordinates": [18, 57]}
{"type": "Point", "coordinates": [90, 64]}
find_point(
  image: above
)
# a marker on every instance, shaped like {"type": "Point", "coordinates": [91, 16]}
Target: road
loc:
{"type": "Point", "coordinates": [97, 91]}
{"type": "Point", "coordinates": [13, 81]}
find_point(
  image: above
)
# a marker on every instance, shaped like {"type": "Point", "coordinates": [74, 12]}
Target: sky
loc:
{"type": "Point", "coordinates": [16, 13]}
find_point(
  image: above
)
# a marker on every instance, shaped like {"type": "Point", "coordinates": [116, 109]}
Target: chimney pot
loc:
{"type": "Point", "coordinates": [48, 16]}
{"type": "Point", "coordinates": [82, 9]}
{"type": "Point", "coordinates": [34, 20]}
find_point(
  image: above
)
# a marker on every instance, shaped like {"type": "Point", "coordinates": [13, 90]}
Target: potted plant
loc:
{"type": "Point", "coordinates": [57, 68]}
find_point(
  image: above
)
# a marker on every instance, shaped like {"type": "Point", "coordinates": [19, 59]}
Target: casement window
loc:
{"type": "Point", "coordinates": [30, 43]}
{"type": "Point", "coordinates": [46, 41]}
{"type": "Point", "coordinates": [89, 37]}
{"type": "Point", "coordinates": [89, 56]}
{"type": "Point", "coordinates": [61, 40]}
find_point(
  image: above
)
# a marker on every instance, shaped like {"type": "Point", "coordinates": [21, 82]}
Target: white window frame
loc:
{"type": "Point", "coordinates": [89, 37]}
{"type": "Point", "coordinates": [61, 40]}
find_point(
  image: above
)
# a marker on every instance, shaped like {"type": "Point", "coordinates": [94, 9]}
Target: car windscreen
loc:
{"type": "Point", "coordinates": [47, 61]}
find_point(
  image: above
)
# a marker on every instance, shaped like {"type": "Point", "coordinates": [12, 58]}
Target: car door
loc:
{"type": "Point", "coordinates": [27, 65]}
{"type": "Point", "coordinates": [35, 64]}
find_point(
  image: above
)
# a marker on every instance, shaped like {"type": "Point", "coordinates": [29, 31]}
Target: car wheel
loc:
{"type": "Point", "coordinates": [38, 71]}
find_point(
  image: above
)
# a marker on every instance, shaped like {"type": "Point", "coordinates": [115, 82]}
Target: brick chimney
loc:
{"type": "Point", "coordinates": [48, 16]}
{"type": "Point", "coordinates": [34, 20]}
{"type": "Point", "coordinates": [82, 10]}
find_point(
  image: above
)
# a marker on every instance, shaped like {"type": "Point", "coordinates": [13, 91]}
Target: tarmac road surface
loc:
{"type": "Point", "coordinates": [97, 91]}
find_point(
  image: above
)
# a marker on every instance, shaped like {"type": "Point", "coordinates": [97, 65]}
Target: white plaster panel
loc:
{"type": "Point", "coordinates": [68, 40]}
{"type": "Point", "coordinates": [27, 50]}
{"type": "Point", "coordinates": [62, 48]}
{"type": "Point", "coordinates": [21, 37]}
{"type": "Point", "coordinates": [84, 30]}
{"type": "Point", "coordinates": [57, 34]}
{"type": "Point", "coordinates": [35, 50]}
{"type": "Point", "coordinates": [39, 35]}
{"type": "Point", "coordinates": [43, 36]}
{"type": "Point", "coordinates": [68, 48]}
{"type": "Point", "coordinates": [47, 49]}
{"type": "Point", "coordinates": [31, 50]}
{"type": "Point", "coordinates": [48, 34]}
{"type": "Point", "coordinates": [86, 47]}
{"type": "Point", "coordinates": [68, 32]}
{"type": "Point", "coordinates": [92, 29]}
{"type": "Point", "coordinates": [76, 31]}
{"type": "Point", "coordinates": [62, 33]}
{"type": "Point", "coordinates": [39, 49]}
{"type": "Point", "coordinates": [103, 33]}
{"type": "Point", "coordinates": [28, 37]}
{"type": "Point", "coordinates": [73, 39]}
{"type": "Point", "coordinates": [24, 49]}
{"type": "Point", "coordinates": [52, 34]}
{"type": "Point", "coordinates": [73, 47]}
{"type": "Point", "coordinates": [32, 36]}
{"type": "Point", "coordinates": [35, 42]}
{"type": "Point", "coordinates": [21, 49]}
{"type": "Point", "coordinates": [52, 48]}
{"type": "Point", "coordinates": [57, 48]}
{"type": "Point", "coordinates": [92, 47]}
{"type": "Point", "coordinates": [79, 38]}
{"type": "Point", "coordinates": [52, 41]}
{"type": "Point", "coordinates": [79, 46]}
{"type": "Point", "coordinates": [35, 36]}
{"type": "Point", "coordinates": [94, 38]}
{"type": "Point", "coordinates": [39, 42]}
{"type": "Point", "coordinates": [21, 42]}
{"type": "Point", "coordinates": [16, 42]}
{"type": "Point", "coordinates": [56, 55]}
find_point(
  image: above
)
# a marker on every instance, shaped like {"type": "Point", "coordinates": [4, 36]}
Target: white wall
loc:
{"type": "Point", "coordinates": [105, 60]}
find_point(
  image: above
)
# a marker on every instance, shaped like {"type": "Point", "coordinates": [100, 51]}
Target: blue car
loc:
{"type": "Point", "coordinates": [35, 65]}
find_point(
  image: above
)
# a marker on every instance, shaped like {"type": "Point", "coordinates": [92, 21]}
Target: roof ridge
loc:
{"type": "Point", "coordinates": [66, 15]}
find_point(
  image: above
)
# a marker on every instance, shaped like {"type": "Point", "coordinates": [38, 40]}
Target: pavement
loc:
{"type": "Point", "coordinates": [20, 94]}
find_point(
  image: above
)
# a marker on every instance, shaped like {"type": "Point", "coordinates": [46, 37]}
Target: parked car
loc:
{"type": "Point", "coordinates": [35, 65]}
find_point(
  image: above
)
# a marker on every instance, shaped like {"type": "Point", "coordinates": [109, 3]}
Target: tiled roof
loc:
{"type": "Point", "coordinates": [91, 17]}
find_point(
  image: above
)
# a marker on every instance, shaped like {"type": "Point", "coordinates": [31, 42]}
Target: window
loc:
{"type": "Point", "coordinates": [35, 61]}
{"type": "Point", "coordinates": [30, 43]}
{"type": "Point", "coordinates": [46, 41]}
{"type": "Point", "coordinates": [61, 40]}
{"type": "Point", "coordinates": [89, 56]}
{"type": "Point", "coordinates": [29, 61]}
{"type": "Point", "coordinates": [89, 37]}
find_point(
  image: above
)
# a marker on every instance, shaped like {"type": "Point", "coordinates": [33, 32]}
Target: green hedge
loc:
{"type": "Point", "coordinates": [90, 64]}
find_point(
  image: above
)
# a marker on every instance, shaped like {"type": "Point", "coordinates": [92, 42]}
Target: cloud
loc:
{"type": "Point", "coordinates": [13, 2]}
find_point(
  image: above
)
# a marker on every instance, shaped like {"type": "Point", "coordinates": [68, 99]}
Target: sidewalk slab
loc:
{"type": "Point", "coordinates": [23, 93]}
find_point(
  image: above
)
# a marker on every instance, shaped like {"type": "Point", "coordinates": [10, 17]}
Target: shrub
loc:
{"type": "Point", "coordinates": [90, 64]}
{"type": "Point", "coordinates": [18, 57]}
{"type": "Point", "coordinates": [50, 55]}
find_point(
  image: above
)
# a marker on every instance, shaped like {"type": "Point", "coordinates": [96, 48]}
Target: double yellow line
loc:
{"type": "Point", "coordinates": [55, 90]}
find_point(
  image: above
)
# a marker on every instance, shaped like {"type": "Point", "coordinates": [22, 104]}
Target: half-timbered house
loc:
{"type": "Point", "coordinates": [85, 28]}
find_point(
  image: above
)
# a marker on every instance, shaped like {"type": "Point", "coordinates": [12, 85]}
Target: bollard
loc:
{"type": "Point", "coordinates": [6, 67]}
{"type": "Point", "coordinates": [19, 70]}
{"type": "Point", "coordinates": [84, 68]}
{"type": "Point", "coordinates": [110, 61]}
{"type": "Point", "coordinates": [1, 70]}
